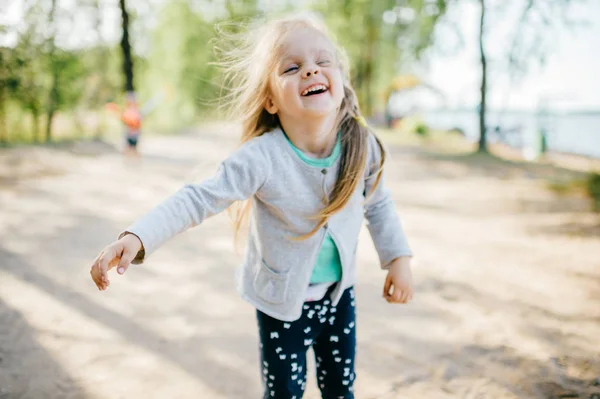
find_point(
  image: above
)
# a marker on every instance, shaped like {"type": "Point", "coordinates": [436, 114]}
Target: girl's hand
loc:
{"type": "Point", "coordinates": [398, 283]}
{"type": "Point", "coordinates": [120, 252]}
{"type": "Point", "coordinates": [112, 107]}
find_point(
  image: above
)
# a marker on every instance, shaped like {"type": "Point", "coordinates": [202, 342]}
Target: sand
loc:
{"type": "Point", "coordinates": [507, 283]}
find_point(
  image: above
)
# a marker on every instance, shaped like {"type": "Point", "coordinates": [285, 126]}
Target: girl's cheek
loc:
{"type": "Point", "coordinates": [288, 87]}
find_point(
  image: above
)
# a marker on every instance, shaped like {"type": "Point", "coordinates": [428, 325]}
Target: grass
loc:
{"type": "Point", "coordinates": [593, 189]}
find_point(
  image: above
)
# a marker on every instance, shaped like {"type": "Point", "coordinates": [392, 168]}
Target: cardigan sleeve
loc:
{"type": "Point", "coordinates": [383, 222]}
{"type": "Point", "coordinates": [238, 178]}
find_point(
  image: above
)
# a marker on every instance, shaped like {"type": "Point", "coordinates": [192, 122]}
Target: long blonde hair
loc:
{"type": "Point", "coordinates": [247, 63]}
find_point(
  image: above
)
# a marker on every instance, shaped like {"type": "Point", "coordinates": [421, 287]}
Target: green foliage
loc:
{"type": "Point", "coordinates": [381, 39]}
{"type": "Point", "coordinates": [40, 79]}
{"type": "Point", "coordinates": [102, 79]}
{"type": "Point", "coordinates": [71, 78]}
{"type": "Point", "coordinates": [588, 185]}
{"type": "Point", "coordinates": [80, 85]}
{"type": "Point", "coordinates": [180, 55]}
{"type": "Point", "coordinates": [180, 62]}
{"type": "Point", "coordinates": [422, 130]}
{"type": "Point", "coordinates": [26, 72]}
{"type": "Point", "coordinates": [593, 189]}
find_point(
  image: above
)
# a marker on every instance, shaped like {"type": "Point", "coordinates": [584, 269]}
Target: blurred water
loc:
{"type": "Point", "coordinates": [577, 133]}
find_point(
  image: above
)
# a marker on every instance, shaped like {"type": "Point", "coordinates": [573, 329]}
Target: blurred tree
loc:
{"type": "Point", "coordinates": [126, 48]}
{"type": "Point", "coordinates": [48, 71]}
{"type": "Point", "coordinates": [65, 70]}
{"type": "Point", "coordinates": [5, 75]}
{"type": "Point", "coordinates": [483, 87]}
{"type": "Point", "coordinates": [102, 78]}
{"type": "Point", "coordinates": [181, 56]}
{"type": "Point", "coordinates": [531, 40]}
{"type": "Point", "coordinates": [6, 81]}
{"type": "Point", "coordinates": [379, 35]}
{"type": "Point", "coordinates": [100, 86]}
{"type": "Point", "coordinates": [27, 68]}
{"type": "Point", "coordinates": [53, 67]}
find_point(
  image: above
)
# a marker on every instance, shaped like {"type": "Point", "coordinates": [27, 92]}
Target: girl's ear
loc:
{"type": "Point", "coordinates": [270, 106]}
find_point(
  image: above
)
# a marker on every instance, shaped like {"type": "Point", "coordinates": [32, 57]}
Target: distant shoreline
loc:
{"type": "Point", "coordinates": [582, 112]}
{"type": "Point", "coordinates": [576, 132]}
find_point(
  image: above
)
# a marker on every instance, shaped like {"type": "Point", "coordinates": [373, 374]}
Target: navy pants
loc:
{"type": "Point", "coordinates": [330, 331]}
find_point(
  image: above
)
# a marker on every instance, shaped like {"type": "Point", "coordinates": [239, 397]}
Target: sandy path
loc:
{"type": "Point", "coordinates": [507, 281]}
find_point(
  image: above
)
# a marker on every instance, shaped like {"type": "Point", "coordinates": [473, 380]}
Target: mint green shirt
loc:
{"type": "Point", "coordinates": [328, 266]}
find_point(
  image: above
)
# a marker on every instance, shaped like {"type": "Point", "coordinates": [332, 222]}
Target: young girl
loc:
{"type": "Point", "coordinates": [310, 170]}
{"type": "Point", "coordinates": [132, 116]}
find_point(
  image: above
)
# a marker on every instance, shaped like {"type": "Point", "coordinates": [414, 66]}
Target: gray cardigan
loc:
{"type": "Point", "coordinates": [285, 193]}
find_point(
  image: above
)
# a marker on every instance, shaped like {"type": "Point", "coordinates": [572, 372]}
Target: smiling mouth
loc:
{"type": "Point", "coordinates": [316, 89]}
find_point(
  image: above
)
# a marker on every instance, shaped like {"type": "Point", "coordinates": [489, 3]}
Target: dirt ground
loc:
{"type": "Point", "coordinates": [507, 279]}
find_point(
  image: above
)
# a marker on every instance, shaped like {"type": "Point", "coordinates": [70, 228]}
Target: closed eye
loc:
{"type": "Point", "coordinates": [323, 62]}
{"type": "Point", "coordinates": [291, 69]}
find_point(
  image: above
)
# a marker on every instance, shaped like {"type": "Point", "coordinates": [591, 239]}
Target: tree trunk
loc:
{"type": "Point", "coordinates": [3, 82]}
{"type": "Point", "coordinates": [52, 104]}
{"type": "Point", "coordinates": [36, 125]}
{"type": "Point", "coordinates": [3, 127]}
{"type": "Point", "coordinates": [483, 89]}
{"type": "Point", "coordinates": [53, 97]}
{"type": "Point", "coordinates": [126, 48]}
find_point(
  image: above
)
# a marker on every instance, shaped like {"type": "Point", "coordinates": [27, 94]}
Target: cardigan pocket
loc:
{"type": "Point", "coordinates": [270, 285]}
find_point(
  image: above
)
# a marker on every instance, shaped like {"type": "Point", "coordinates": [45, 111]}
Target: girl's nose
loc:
{"type": "Point", "coordinates": [311, 70]}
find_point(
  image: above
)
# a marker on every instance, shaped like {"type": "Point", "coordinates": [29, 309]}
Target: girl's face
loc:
{"type": "Point", "coordinates": [307, 80]}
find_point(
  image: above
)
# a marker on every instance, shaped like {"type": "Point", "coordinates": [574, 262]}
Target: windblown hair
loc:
{"type": "Point", "coordinates": [248, 63]}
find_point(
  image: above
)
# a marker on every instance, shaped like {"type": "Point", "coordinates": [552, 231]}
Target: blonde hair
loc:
{"type": "Point", "coordinates": [247, 63]}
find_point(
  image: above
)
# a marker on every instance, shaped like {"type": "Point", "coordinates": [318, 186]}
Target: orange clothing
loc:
{"type": "Point", "coordinates": [132, 118]}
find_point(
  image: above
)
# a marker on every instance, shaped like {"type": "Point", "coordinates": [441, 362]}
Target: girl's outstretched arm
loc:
{"type": "Point", "coordinates": [388, 235]}
{"type": "Point", "coordinates": [238, 178]}
{"type": "Point", "coordinates": [382, 219]}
